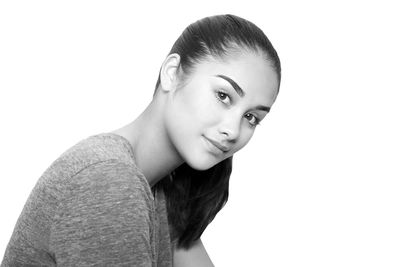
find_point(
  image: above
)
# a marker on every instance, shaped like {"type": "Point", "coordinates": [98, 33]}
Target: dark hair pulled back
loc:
{"type": "Point", "coordinates": [195, 197]}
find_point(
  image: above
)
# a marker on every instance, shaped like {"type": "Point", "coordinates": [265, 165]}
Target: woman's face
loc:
{"type": "Point", "coordinates": [220, 103]}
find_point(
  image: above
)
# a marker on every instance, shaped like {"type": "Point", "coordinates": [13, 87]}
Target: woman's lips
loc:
{"type": "Point", "coordinates": [216, 147]}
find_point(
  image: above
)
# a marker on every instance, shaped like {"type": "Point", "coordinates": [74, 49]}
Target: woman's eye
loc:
{"type": "Point", "coordinates": [254, 121]}
{"type": "Point", "coordinates": [222, 96]}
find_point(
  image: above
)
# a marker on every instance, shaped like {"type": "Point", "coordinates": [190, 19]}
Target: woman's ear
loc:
{"type": "Point", "coordinates": [169, 72]}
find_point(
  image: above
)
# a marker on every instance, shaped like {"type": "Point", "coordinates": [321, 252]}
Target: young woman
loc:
{"type": "Point", "coordinates": [143, 194]}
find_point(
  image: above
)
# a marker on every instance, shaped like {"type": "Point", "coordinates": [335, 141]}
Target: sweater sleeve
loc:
{"type": "Point", "coordinates": [106, 218]}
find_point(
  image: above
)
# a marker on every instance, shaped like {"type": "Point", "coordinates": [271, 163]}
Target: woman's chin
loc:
{"type": "Point", "coordinates": [202, 164]}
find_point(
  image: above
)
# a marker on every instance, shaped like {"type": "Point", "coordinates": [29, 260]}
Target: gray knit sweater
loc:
{"type": "Point", "coordinates": [92, 207]}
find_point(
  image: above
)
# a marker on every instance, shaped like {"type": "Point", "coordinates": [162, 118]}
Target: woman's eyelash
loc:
{"type": "Point", "coordinates": [222, 93]}
{"type": "Point", "coordinates": [257, 121]}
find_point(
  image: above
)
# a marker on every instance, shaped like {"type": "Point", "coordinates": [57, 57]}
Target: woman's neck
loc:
{"type": "Point", "coordinates": [154, 154]}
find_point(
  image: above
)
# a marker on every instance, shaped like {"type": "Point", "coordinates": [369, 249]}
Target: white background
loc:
{"type": "Point", "coordinates": [318, 185]}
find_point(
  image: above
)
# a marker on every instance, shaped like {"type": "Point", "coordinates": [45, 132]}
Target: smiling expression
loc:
{"type": "Point", "coordinates": [216, 111]}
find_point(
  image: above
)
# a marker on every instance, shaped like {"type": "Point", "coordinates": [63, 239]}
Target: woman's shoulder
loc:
{"type": "Point", "coordinates": [98, 148]}
{"type": "Point", "coordinates": [91, 159]}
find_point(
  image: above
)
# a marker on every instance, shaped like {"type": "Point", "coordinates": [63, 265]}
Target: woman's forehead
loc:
{"type": "Point", "coordinates": [245, 62]}
{"type": "Point", "coordinates": [248, 70]}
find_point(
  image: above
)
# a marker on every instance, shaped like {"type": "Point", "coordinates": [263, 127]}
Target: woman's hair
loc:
{"type": "Point", "coordinates": [194, 197]}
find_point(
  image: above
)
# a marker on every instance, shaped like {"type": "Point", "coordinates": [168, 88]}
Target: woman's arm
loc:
{"type": "Point", "coordinates": [195, 256]}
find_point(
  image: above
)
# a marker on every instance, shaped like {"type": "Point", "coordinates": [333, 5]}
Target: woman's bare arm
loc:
{"type": "Point", "coordinates": [195, 256]}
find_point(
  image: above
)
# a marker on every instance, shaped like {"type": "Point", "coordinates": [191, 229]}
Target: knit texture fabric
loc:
{"type": "Point", "coordinates": [92, 207]}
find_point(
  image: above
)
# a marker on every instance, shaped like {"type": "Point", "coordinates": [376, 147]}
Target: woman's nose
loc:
{"type": "Point", "coordinates": [230, 128]}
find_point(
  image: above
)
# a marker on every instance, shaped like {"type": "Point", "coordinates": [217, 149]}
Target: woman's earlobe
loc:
{"type": "Point", "coordinates": [169, 71]}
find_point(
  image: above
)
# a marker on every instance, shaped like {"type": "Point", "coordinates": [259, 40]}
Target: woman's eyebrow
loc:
{"type": "Point", "coordinates": [235, 86]}
{"type": "Point", "coordinates": [240, 91]}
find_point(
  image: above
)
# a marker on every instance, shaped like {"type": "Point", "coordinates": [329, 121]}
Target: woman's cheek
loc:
{"type": "Point", "coordinates": [209, 113]}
